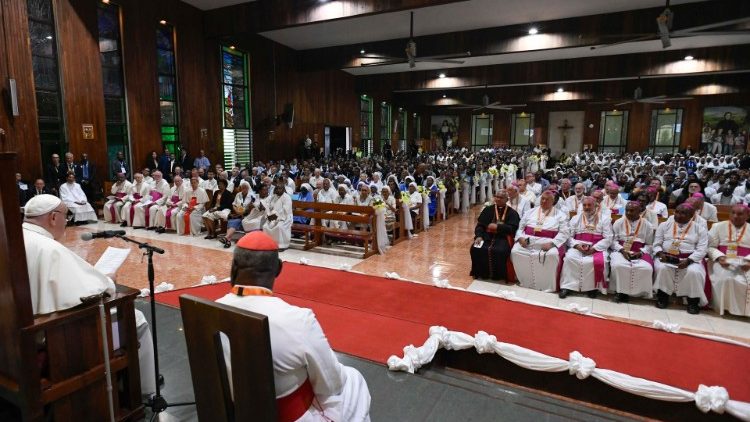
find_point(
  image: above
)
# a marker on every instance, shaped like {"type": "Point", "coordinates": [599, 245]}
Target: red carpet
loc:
{"type": "Point", "coordinates": [373, 318]}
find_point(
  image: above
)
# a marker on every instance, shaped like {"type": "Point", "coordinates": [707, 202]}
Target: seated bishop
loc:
{"type": "Point", "coordinates": [311, 384]}
{"type": "Point", "coordinates": [75, 199]}
{"type": "Point", "coordinates": [116, 200]}
{"type": "Point", "coordinates": [585, 269]}
{"type": "Point", "coordinates": [493, 238]}
{"type": "Point", "coordinates": [138, 190]}
{"type": "Point", "coordinates": [680, 245]}
{"type": "Point", "coordinates": [631, 265]}
{"type": "Point", "coordinates": [166, 216]}
{"type": "Point", "coordinates": [540, 245]}
{"type": "Point", "coordinates": [729, 268]}
{"type": "Point", "coordinates": [145, 210]}
{"type": "Point", "coordinates": [189, 219]}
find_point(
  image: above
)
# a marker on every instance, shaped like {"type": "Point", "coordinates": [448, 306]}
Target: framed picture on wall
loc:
{"type": "Point", "coordinates": [725, 129]}
{"type": "Point", "coordinates": [444, 130]}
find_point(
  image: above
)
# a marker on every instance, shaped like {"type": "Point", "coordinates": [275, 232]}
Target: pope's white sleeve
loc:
{"type": "Point", "coordinates": [325, 372]}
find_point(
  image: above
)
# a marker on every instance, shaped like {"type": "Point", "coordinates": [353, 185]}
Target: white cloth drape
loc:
{"type": "Point", "coordinates": [456, 199]}
{"type": "Point", "coordinates": [408, 224]}
{"type": "Point", "coordinates": [382, 232]}
{"type": "Point", "coordinates": [465, 196]}
{"type": "Point", "coordinates": [474, 185]}
{"type": "Point", "coordinates": [425, 211]}
{"type": "Point", "coordinates": [441, 203]}
{"type": "Point", "coordinates": [482, 190]}
{"type": "Point", "coordinates": [713, 398]}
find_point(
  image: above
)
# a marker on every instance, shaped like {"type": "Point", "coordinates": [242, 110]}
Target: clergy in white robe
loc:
{"type": "Point", "coordinates": [145, 210]}
{"type": "Point", "coordinates": [327, 195]}
{"type": "Point", "coordinates": [658, 208]}
{"type": "Point", "coordinates": [342, 198]}
{"type": "Point", "coordinates": [75, 199]}
{"type": "Point", "coordinates": [573, 203]}
{"type": "Point", "coordinates": [703, 209]}
{"type": "Point", "coordinates": [525, 192]}
{"type": "Point", "coordinates": [58, 278]}
{"type": "Point", "coordinates": [585, 265]}
{"type": "Point", "coordinates": [517, 202]}
{"type": "Point", "coordinates": [729, 268]}
{"type": "Point", "coordinates": [189, 219]}
{"type": "Point", "coordinates": [115, 202]}
{"type": "Point", "coordinates": [279, 217]}
{"type": "Point", "coordinates": [256, 218]}
{"type": "Point", "coordinates": [613, 201]}
{"type": "Point", "coordinates": [540, 245]}
{"type": "Point", "coordinates": [210, 185]}
{"type": "Point", "coordinates": [631, 265]}
{"type": "Point", "coordinates": [533, 185]}
{"type": "Point", "coordinates": [311, 384]}
{"type": "Point", "coordinates": [166, 216]}
{"type": "Point", "coordinates": [680, 245]}
{"type": "Point", "coordinates": [137, 193]}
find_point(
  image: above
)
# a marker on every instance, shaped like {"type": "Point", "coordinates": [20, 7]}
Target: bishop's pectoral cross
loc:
{"type": "Point", "coordinates": [564, 129]}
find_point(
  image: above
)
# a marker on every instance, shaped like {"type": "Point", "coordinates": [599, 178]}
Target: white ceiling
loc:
{"type": "Point", "coordinates": [214, 4]}
{"type": "Point", "coordinates": [452, 17]}
{"type": "Point", "coordinates": [686, 44]}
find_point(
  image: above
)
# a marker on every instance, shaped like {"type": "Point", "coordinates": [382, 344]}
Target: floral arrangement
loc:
{"type": "Point", "coordinates": [493, 171]}
{"type": "Point", "coordinates": [378, 203]}
{"type": "Point", "coordinates": [421, 189]}
{"type": "Point", "coordinates": [441, 185]}
{"type": "Point", "coordinates": [405, 197]}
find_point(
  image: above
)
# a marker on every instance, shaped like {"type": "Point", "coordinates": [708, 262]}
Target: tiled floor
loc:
{"type": "Point", "coordinates": [437, 254]}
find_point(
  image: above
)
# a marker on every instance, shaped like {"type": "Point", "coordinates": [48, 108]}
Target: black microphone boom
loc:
{"type": "Point", "coordinates": [106, 234]}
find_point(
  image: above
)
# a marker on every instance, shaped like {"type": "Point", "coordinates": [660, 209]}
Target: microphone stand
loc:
{"type": "Point", "coordinates": [157, 403]}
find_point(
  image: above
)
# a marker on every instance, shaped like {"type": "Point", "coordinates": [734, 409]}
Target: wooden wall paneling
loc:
{"type": "Point", "coordinates": [81, 74]}
{"type": "Point", "coordinates": [21, 132]}
{"type": "Point", "coordinates": [139, 23]}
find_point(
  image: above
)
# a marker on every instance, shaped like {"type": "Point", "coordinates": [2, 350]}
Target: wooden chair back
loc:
{"type": "Point", "coordinates": [339, 212]}
{"type": "Point", "coordinates": [251, 361]}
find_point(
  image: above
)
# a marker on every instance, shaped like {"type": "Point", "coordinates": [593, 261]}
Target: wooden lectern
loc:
{"type": "Point", "coordinates": [62, 378]}
{"type": "Point", "coordinates": [252, 363]}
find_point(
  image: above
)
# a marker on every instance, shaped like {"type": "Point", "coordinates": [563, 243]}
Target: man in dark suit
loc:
{"type": "Point", "coordinates": [165, 164]}
{"type": "Point", "coordinates": [23, 189]}
{"type": "Point", "coordinates": [54, 174]}
{"type": "Point", "coordinates": [85, 176]}
{"type": "Point", "coordinates": [38, 189]}
{"type": "Point", "coordinates": [184, 160]}
{"type": "Point", "coordinates": [119, 165]}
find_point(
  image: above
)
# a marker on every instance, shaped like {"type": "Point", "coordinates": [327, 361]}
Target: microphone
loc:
{"type": "Point", "coordinates": [104, 234]}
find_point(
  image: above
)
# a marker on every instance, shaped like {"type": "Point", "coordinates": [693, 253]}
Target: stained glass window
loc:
{"type": "Point", "coordinates": [385, 125]}
{"type": "Point", "coordinates": [167, 78]}
{"type": "Point", "coordinates": [43, 43]}
{"type": "Point", "coordinates": [110, 57]}
{"type": "Point", "coordinates": [235, 104]}
{"type": "Point", "coordinates": [365, 123]}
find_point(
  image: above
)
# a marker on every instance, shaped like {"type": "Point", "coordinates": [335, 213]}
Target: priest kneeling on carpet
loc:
{"type": "Point", "coordinates": [679, 248]}
{"type": "Point", "coordinates": [311, 384]}
{"type": "Point", "coordinates": [493, 238]}
{"type": "Point", "coordinates": [729, 269]}
{"type": "Point", "coordinates": [59, 278]}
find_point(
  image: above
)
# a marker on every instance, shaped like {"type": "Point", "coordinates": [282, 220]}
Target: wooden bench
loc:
{"type": "Point", "coordinates": [351, 214]}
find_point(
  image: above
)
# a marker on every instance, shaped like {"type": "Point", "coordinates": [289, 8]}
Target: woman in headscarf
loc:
{"type": "Point", "coordinates": [305, 195]}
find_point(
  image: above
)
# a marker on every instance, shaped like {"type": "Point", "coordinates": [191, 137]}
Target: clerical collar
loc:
{"type": "Point", "coordinates": [242, 290]}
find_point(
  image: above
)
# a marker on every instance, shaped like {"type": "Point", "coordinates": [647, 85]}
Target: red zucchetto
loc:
{"type": "Point", "coordinates": [257, 241]}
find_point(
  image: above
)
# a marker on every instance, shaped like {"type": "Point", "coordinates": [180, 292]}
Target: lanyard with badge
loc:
{"type": "Point", "coordinates": [732, 244]}
{"type": "Point", "coordinates": [675, 248]}
{"type": "Point", "coordinates": [590, 226]}
{"type": "Point", "coordinates": [630, 237]}
{"type": "Point", "coordinates": [498, 219]}
{"type": "Point", "coordinates": [540, 220]}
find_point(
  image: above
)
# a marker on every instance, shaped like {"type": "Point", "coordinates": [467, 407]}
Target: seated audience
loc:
{"type": "Point", "coordinates": [75, 200]}
{"type": "Point", "coordinates": [218, 209]}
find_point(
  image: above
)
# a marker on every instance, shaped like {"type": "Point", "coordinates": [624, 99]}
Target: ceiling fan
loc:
{"type": "Point", "coordinates": [665, 33]}
{"type": "Point", "coordinates": [639, 98]}
{"type": "Point", "coordinates": [486, 104]}
{"type": "Point", "coordinates": [411, 54]}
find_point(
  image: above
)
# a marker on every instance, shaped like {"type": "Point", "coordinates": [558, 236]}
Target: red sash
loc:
{"type": "Point", "coordinates": [188, 211]}
{"type": "Point", "coordinates": [549, 234]}
{"type": "Point", "coordinates": [137, 197]}
{"type": "Point", "coordinates": [741, 250]}
{"type": "Point", "coordinates": [168, 214]}
{"type": "Point", "coordinates": [293, 406]}
{"type": "Point", "coordinates": [599, 279]}
{"type": "Point", "coordinates": [118, 197]}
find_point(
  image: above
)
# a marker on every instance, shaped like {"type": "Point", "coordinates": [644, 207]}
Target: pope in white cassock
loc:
{"type": "Point", "coordinates": [59, 278]}
{"type": "Point", "coordinates": [729, 269]}
{"type": "Point", "coordinates": [113, 206]}
{"type": "Point", "coordinates": [631, 265]}
{"type": "Point", "coordinates": [189, 219]}
{"type": "Point", "coordinates": [279, 217]}
{"type": "Point", "coordinates": [138, 191]}
{"type": "Point", "coordinates": [539, 247]}
{"type": "Point", "coordinates": [145, 210]}
{"type": "Point", "coordinates": [75, 199]}
{"type": "Point", "coordinates": [311, 384]}
{"type": "Point", "coordinates": [585, 266]}
{"type": "Point", "coordinates": [680, 245]}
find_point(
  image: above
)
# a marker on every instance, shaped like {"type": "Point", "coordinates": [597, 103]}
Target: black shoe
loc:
{"type": "Point", "coordinates": [621, 298]}
{"type": "Point", "coordinates": [592, 293]}
{"type": "Point", "coordinates": [151, 228]}
{"type": "Point", "coordinates": [693, 307]}
{"type": "Point", "coordinates": [563, 293]}
{"type": "Point", "coordinates": [138, 227]}
{"type": "Point", "coordinates": [160, 230]}
{"type": "Point", "coordinates": [123, 224]}
{"type": "Point", "coordinates": [662, 300]}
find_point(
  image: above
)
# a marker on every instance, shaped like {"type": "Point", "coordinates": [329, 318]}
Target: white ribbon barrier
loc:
{"type": "Point", "coordinates": [465, 196]}
{"type": "Point", "coordinates": [482, 189]}
{"type": "Point", "coordinates": [456, 199]}
{"type": "Point", "coordinates": [473, 190]}
{"type": "Point", "coordinates": [713, 398]}
{"type": "Point", "coordinates": [382, 232]}
{"type": "Point", "coordinates": [408, 224]}
{"type": "Point", "coordinates": [441, 202]}
{"type": "Point", "coordinates": [425, 211]}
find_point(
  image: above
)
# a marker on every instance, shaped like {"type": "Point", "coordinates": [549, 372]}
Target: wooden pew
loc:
{"type": "Point", "coordinates": [318, 211]}
{"type": "Point", "coordinates": [252, 362]}
{"type": "Point", "coordinates": [62, 378]}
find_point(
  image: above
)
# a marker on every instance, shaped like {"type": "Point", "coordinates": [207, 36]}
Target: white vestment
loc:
{"type": "Point", "coordinates": [139, 219]}
{"type": "Point", "coordinates": [709, 212]}
{"type": "Point", "coordinates": [196, 216]}
{"type": "Point", "coordinates": [519, 204]}
{"type": "Point", "coordinates": [683, 282]}
{"type": "Point", "coordinates": [256, 218]}
{"type": "Point", "coordinates": [58, 279]}
{"type": "Point", "coordinates": [171, 206]}
{"type": "Point", "coordinates": [730, 291]}
{"type": "Point", "coordinates": [280, 229]}
{"type": "Point", "coordinates": [529, 196]}
{"type": "Point", "coordinates": [121, 190]}
{"type": "Point", "coordinates": [574, 203]}
{"type": "Point", "coordinates": [535, 268]}
{"type": "Point", "coordinates": [301, 352]}
{"type": "Point", "coordinates": [632, 277]}
{"type": "Point", "coordinates": [327, 197]}
{"type": "Point", "coordinates": [70, 193]}
{"type": "Point", "coordinates": [137, 194]}
{"type": "Point", "coordinates": [578, 272]}
{"type": "Point", "coordinates": [658, 208]}
{"type": "Point", "coordinates": [346, 200]}
{"type": "Point", "coordinates": [614, 205]}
